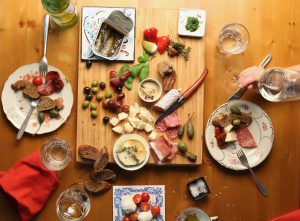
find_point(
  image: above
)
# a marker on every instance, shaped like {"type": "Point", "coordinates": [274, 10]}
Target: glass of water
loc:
{"type": "Point", "coordinates": [233, 39]}
{"type": "Point", "coordinates": [55, 154]}
{"type": "Point", "coordinates": [73, 204]}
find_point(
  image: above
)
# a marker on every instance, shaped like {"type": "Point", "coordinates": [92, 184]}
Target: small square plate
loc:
{"type": "Point", "coordinates": [156, 193]}
{"type": "Point", "coordinates": [184, 13]}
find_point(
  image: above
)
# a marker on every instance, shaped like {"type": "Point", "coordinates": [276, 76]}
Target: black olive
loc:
{"type": "Point", "coordinates": [86, 90]}
{"type": "Point", "coordinates": [102, 85]}
{"type": "Point", "coordinates": [105, 120]}
{"type": "Point", "coordinates": [119, 90]}
{"type": "Point", "coordinates": [88, 97]}
{"type": "Point", "coordinates": [88, 64]}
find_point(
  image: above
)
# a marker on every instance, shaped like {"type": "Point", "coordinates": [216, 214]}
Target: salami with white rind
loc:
{"type": "Point", "coordinates": [171, 97]}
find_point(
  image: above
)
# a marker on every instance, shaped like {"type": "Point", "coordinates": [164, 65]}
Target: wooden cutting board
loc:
{"type": "Point", "coordinates": [94, 132]}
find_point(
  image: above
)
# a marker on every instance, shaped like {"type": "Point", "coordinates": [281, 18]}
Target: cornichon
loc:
{"type": "Point", "coordinates": [235, 110]}
{"type": "Point", "coordinates": [144, 72]}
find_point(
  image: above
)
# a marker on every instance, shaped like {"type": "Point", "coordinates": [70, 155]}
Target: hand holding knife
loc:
{"type": "Point", "coordinates": [185, 95]}
{"type": "Point", "coordinates": [240, 92]}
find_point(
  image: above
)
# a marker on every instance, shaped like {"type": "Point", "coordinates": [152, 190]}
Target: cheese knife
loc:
{"type": "Point", "coordinates": [185, 95]}
{"type": "Point", "coordinates": [240, 92]}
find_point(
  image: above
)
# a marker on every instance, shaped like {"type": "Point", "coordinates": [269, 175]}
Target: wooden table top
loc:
{"type": "Point", "coordinates": [274, 27]}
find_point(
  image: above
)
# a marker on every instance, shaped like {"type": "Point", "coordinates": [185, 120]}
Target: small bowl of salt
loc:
{"type": "Point", "coordinates": [198, 188]}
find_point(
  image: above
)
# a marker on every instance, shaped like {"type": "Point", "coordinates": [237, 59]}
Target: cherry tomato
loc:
{"type": "Point", "coordinates": [133, 216]}
{"type": "Point", "coordinates": [137, 198]}
{"type": "Point", "coordinates": [155, 210]}
{"type": "Point", "coordinates": [145, 197]}
{"type": "Point", "coordinates": [145, 206]}
{"type": "Point", "coordinates": [126, 218]}
{"type": "Point", "coordinates": [37, 80]}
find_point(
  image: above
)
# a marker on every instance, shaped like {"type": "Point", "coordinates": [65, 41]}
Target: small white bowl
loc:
{"type": "Point", "coordinates": [158, 93]}
{"type": "Point", "coordinates": [131, 137]}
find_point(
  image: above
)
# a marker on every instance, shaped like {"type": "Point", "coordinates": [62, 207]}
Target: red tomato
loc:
{"type": "Point", "coordinates": [145, 197]}
{"type": "Point", "coordinates": [37, 80]}
{"type": "Point", "coordinates": [155, 210]}
{"type": "Point", "coordinates": [137, 198]}
{"type": "Point", "coordinates": [162, 43]}
{"type": "Point", "coordinates": [133, 216]}
{"type": "Point", "coordinates": [145, 206]}
{"type": "Point", "coordinates": [126, 218]}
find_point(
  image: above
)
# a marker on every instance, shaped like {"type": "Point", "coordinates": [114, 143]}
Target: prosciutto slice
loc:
{"type": "Point", "coordinates": [163, 149]}
{"type": "Point", "coordinates": [161, 126]}
{"type": "Point", "coordinates": [245, 138]}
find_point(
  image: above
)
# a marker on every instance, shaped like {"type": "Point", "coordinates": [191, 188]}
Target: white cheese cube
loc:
{"type": "Point", "coordinates": [128, 128]}
{"type": "Point", "coordinates": [228, 128]}
{"type": "Point", "coordinates": [122, 116]}
{"type": "Point", "coordinates": [231, 136]}
{"type": "Point", "coordinates": [118, 129]}
{"type": "Point", "coordinates": [152, 136]}
{"type": "Point", "coordinates": [114, 121]}
{"type": "Point", "coordinates": [134, 110]}
{"type": "Point", "coordinates": [148, 128]}
{"type": "Point", "coordinates": [141, 125]}
{"type": "Point", "coordinates": [132, 122]}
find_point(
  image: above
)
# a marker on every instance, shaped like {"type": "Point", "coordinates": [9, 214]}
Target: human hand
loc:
{"type": "Point", "coordinates": [249, 76]}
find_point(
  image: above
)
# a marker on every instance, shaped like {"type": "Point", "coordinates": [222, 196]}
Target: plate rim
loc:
{"type": "Point", "coordinates": [193, 208]}
{"type": "Point", "coordinates": [139, 138]}
{"type": "Point", "coordinates": [242, 168]}
{"type": "Point", "coordinates": [27, 66]}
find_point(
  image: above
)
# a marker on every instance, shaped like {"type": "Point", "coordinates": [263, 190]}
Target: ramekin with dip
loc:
{"type": "Point", "coordinates": [150, 90]}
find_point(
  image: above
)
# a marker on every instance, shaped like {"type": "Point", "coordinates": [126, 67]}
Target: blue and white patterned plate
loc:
{"type": "Point", "coordinates": [156, 193]}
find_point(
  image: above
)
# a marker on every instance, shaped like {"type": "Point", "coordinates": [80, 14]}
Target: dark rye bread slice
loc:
{"type": "Point", "coordinates": [46, 103]}
{"type": "Point", "coordinates": [31, 90]}
{"type": "Point", "coordinates": [18, 85]}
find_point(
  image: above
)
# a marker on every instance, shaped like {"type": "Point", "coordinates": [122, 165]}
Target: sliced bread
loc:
{"type": "Point", "coordinates": [31, 90]}
{"type": "Point", "coordinates": [46, 103]}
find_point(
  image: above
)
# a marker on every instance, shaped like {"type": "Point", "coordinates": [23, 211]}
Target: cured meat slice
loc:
{"type": "Point", "coordinates": [161, 148]}
{"type": "Point", "coordinates": [245, 138]}
{"type": "Point", "coordinates": [161, 126]}
{"type": "Point", "coordinates": [172, 148]}
{"type": "Point", "coordinates": [172, 120]}
{"type": "Point", "coordinates": [172, 133]}
{"type": "Point", "coordinates": [46, 90]}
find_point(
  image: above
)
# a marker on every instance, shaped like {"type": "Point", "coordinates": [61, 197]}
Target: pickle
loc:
{"type": "Point", "coordinates": [235, 110]}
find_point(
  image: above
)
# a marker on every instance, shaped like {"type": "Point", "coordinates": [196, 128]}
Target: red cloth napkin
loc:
{"type": "Point", "coordinates": [292, 216]}
{"type": "Point", "coordinates": [27, 185]}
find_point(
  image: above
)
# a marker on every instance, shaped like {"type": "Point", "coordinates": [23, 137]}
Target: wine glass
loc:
{"type": "Point", "coordinates": [55, 154]}
{"type": "Point", "coordinates": [73, 204]}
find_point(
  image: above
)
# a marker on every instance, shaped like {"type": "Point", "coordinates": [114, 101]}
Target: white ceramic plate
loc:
{"type": "Point", "coordinates": [184, 13]}
{"type": "Point", "coordinates": [261, 129]}
{"type": "Point", "coordinates": [134, 137]}
{"type": "Point", "coordinates": [16, 105]}
{"type": "Point", "coordinates": [193, 211]}
{"type": "Point", "coordinates": [156, 193]}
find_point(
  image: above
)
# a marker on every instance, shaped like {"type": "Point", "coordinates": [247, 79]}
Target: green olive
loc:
{"type": "Point", "coordinates": [41, 117]}
{"type": "Point", "coordinates": [99, 97]}
{"type": "Point", "coordinates": [182, 147]}
{"type": "Point", "coordinates": [94, 90]}
{"type": "Point", "coordinates": [93, 106]}
{"type": "Point", "coordinates": [85, 104]}
{"type": "Point", "coordinates": [108, 94]}
{"type": "Point", "coordinates": [236, 122]}
{"type": "Point", "coordinates": [94, 114]}
{"type": "Point", "coordinates": [95, 83]}
{"type": "Point", "coordinates": [53, 113]}
{"type": "Point", "coordinates": [235, 110]}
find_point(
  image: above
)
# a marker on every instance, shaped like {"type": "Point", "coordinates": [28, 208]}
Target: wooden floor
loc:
{"type": "Point", "coordinates": [274, 27]}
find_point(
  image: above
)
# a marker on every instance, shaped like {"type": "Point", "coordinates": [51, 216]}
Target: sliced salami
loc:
{"type": "Point", "coordinates": [245, 138]}
{"type": "Point", "coordinates": [161, 126]}
{"type": "Point", "coordinates": [172, 133]}
{"type": "Point", "coordinates": [172, 120]}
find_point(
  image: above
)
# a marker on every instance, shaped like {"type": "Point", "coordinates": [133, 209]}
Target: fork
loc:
{"type": "Point", "coordinates": [43, 66]}
{"type": "Point", "coordinates": [33, 105]}
{"type": "Point", "coordinates": [242, 157]}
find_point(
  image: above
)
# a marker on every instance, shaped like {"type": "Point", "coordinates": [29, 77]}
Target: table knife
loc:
{"type": "Point", "coordinates": [240, 92]}
{"type": "Point", "coordinates": [185, 95]}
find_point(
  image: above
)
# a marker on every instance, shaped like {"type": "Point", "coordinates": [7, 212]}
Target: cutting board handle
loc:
{"type": "Point", "coordinates": [195, 86]}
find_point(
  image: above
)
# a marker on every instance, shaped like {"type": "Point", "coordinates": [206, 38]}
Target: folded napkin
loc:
{"type": "Point", "coordinates": [27, 185]}
{"type": "Point", "coordinates": [292, 216]}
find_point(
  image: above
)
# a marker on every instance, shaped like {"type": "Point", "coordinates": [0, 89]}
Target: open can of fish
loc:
{"type": "Point", "coordinates": [111, 35]}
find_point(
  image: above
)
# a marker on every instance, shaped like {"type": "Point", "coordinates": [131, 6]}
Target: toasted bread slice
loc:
{"type": "Point", "coordinates": [31, 90]}
{"type": "Point", "coordinates": [46, 103]}
{"type": "Point", "coordinates": [18, 85]}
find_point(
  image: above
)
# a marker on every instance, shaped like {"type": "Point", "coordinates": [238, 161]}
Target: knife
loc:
{"type": "Point", "coordinates": [240, 92]}
{"type": "Point", "coordinates": [185, 95]}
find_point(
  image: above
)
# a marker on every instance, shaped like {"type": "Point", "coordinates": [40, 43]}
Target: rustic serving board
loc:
{"type": "Point", "coordinates": [94, 132]}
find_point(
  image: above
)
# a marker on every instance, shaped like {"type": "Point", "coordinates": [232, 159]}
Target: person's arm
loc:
{"type": "Point", "coordinates": [294, 68]}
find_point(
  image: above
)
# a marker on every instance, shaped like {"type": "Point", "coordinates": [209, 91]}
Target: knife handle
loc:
{"type": "Point", "coordinates": [195, 86]}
